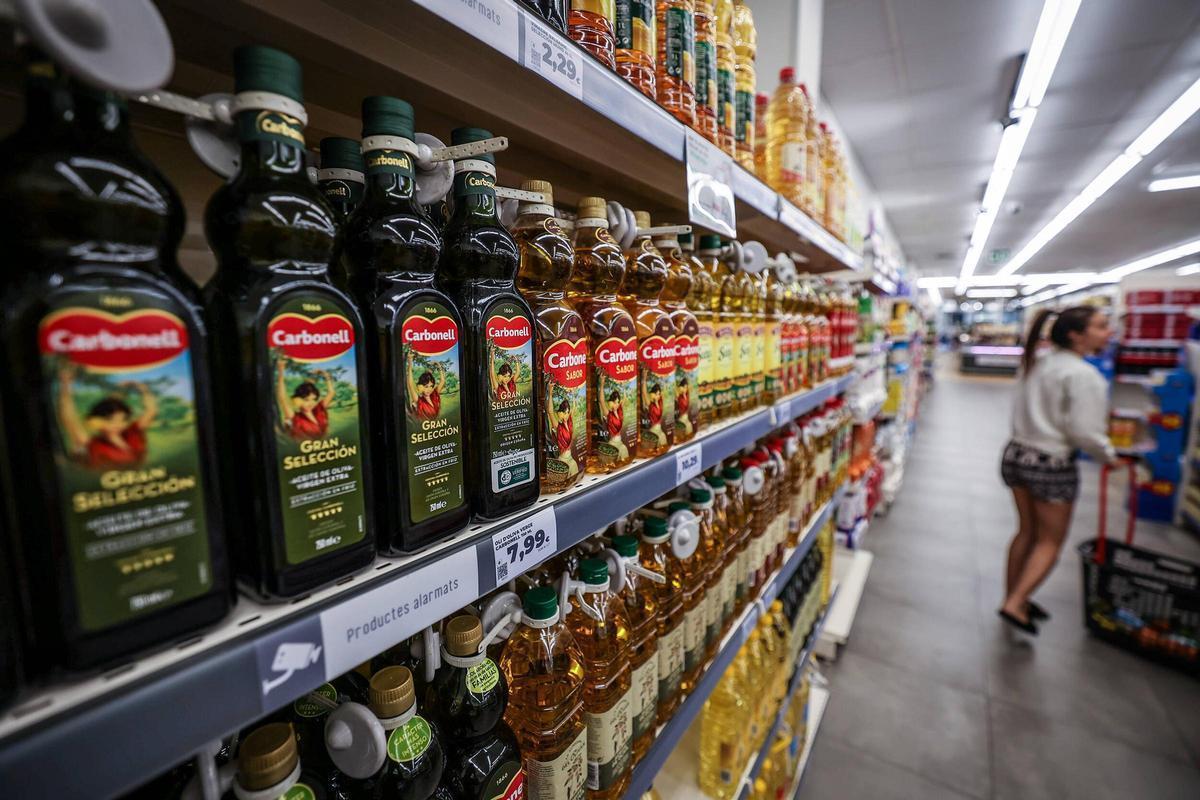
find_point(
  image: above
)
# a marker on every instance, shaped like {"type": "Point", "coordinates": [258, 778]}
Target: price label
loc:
{"type": "Point", "coordinates": [548, 54]}
{"type": "Point", "coordinates": [526, 544]}
{"type": "Point", "coordinates": [687, 463]}
{"type": "Point", "coordinates": [710, 186]}
{"type": "Point", "coordinates": [493, 22]}
{"type": "Point", "coordinates": [781, 412]}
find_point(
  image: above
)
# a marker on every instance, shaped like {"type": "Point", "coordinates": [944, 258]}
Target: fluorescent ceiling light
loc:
{"type": "Point", "coordinates": [1036, 279]}
{"type": "Point", "coordinates": [1048, 40]}
{"type": "Point", "coordinates": [1117, 273]}
{"type": "Point", "coordinates": [1171, 184]}
{"type": "Point", "coordinates": [1189, 269]}
{"type": "Point", "coordinates": [973, 293]}
{"type": "Point", "coordinates": [1163, 126]}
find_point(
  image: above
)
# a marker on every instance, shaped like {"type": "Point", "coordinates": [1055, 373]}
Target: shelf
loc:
{"type": "Point", "coordinates": [850, 569]}
{"type": "Point", "coordinates": [871, 348]}
{"type": "Point", "coordinates": [670, 734]}
{"type": "Point", "coordinates": [215, 680]}
{"type": "Point", "coordinates": [854, 538]}
{"type": "Point", "coordinates": [1156, 309]}
{"type": "Point", "coordinates": [1157, 343]}
{"type": "Point", "coordinates": [818, 700]}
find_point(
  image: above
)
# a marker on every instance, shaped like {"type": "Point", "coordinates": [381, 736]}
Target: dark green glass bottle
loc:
{"type": "Point", "coordinates": [389, 253]}
{"type": "Point", "coordinates": [414, 760]}
{"type": "Point", "coordinates": [105, 387]}
{"type": "Point", "coordinates": [341, 177]}
{"type": "Point", "coordinates": [291, 368]}
{"type": "Point", "coordinates": [478, 269]}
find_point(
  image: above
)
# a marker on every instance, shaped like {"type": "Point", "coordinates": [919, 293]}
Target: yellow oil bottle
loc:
{"type": "Point", "coordinates": [687, 337]}
{"type": "Point", "coordinates": [745, 46]}
{"type": "Point", "coordinates": [700, 302]}
{"type": "Point", "coordinates": [635, 45]}
{"type": "Point", "coordinates": [787, 147]}
{"type": "Point", "coordinates": [676, 67]}
{"type": "Point", "coordinates": [726, 77]}
{"type": "Point", "coordinates": [706, 70]}
{"type": "Point", "coordinates": [641, 607]}
{"type": "Point", "coordinates": [723, 732]}
{"type": "Point", "coordinates": [724, 327]}
{"type": "Point", "coordinates": [656, 556]}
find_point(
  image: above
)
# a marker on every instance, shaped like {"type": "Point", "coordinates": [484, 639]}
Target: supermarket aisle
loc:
{"type": "Point", "coordinates": [932, 698]}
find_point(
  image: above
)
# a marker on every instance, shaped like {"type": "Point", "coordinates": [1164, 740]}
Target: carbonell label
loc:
{"type": "Point", "coordinates": [615, 405]}
{"type": "Point", "coordinates": [508, 337]}
{"type": "Point", "coordinates": [564, 396]}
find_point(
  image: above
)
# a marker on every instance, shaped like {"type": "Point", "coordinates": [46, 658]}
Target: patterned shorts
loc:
{"type": "Point", "coordinates": [1051, 479]}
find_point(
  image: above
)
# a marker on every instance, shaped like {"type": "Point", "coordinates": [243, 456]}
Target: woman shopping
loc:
{"type": "Point", "coordinates": [1061, 406]}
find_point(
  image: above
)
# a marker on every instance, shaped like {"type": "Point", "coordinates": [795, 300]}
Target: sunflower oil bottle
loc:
{"type": "Point", "coordinates": [745, 46]}
{"type": "Point", "coordinates": [726, 77]}
{"type": "Point", "coordinates": [591, 26]}
{"type": "Point", "coordinates": [693, 580]}
{"type": "Point", "coordinates": [706, 70]}
{"type": "Point", "coordinates": [601, 629]}
{"type": "Point", "coordinates": [757, 486]}
{"type": "Point", "coordinates": [612, 419]}
{"type": "Point", "coordinates": [786, 152]}
{"type": "Point", "coordinates": [544, 668]}
{"type": "Point", "coordinates": [635, 44]}
{"type": "Point", "coordinates": [687, 338]}
{"type": "Point", "coordinates": [560, 340]}
{"type": "Point", "coordinates": [711, 556]}
{"type": "Point", "coordinates": [728, 550]}
{"type": "Point", "coordinates": [723, 326]}
{"type": "Point", "coordinates": [739, 534]}
{"type": "Point", "coordinates": [825, 210]}
{"type": "Point", "coordinates": [815, 176]}
{"type": "Point", "coordinates": [774, 342]}
{"type": "Point", "coordinates": [656, 556]}
{"type": "Point", "coordinates": [641, 607]}
{"type": "Point", "coordinates": [736, 299]}
{"type": "Point", "coordinates": [700, 302]}
{"type": "Point", "coordinates": [676, 69]}
{"type": "Point", "coordinates": [724, 723]}
{"type": "Point", "coordinates": [645, 277]}
{"type": "Point", "coordinates": [756, 306]}
{"type": "Point", "coordinates": [761, 104]}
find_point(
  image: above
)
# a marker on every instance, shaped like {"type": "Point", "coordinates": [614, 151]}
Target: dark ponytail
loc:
{"type": "Point", "coordinates": [1071, 320]}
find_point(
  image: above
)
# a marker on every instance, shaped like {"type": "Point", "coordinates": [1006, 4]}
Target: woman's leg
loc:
{"type": "Point", "coordinates": [1022, 543]}
{"type": "Point", "coordinates": [1052, 521]}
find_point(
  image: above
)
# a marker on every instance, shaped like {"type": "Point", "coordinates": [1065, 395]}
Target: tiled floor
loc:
{"type": "Point", "coordinates": [933, 698]}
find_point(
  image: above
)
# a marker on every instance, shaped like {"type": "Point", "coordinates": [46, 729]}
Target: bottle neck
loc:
{"type": "Point", "coordinates": [49, 102]}
{"type": "Point", "coordinates": [272, 143]}
{"type": "Point", "coordinates": [475, 192]}
{"type": "Point", "coordinates": [102, 113]}
{"type": "Point", "coordinates": [390, 176]}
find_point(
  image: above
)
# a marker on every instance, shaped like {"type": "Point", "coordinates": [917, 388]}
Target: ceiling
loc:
{"type": "Point", "coordinates": [919, 87]}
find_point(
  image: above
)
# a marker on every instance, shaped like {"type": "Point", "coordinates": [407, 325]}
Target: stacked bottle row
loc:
{"type": "Point", "coordinates": [778, 772]}
{"type": "Point", "coordinates": [740, 712]}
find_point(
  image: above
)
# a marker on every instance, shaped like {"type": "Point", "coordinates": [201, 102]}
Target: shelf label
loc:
{"type": "Point", "coordinates": [493, 22]}
{"type": "Point", "coordinates": [524, 545]}
{"type": "Point", "coordinates": [364, 626]}
{"type": "Point", "coordinates": [710, 186]}
{"type": "Point", "coordinates": [781, 412]}
{"type": "Point", "coordinates": [688, 463]}
{"type": "Point", "coordinates": [547, 53]}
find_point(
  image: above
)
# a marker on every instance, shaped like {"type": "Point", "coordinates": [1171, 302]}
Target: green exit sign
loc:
{"type": "Point", "coordinates": [999, 255]}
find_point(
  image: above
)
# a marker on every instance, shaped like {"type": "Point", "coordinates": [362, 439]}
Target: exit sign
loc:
{"type": "Point", "coordinates": [999, 255]}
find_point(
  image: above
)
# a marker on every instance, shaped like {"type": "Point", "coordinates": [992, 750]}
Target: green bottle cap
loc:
{"type": "Point", "coordinates": [678, 505]}
{"type": "Point", "coordinates": [715, 481]}
{"type": "Point", "coordinates": [684, 239]}
{"type": "Point", "coordinates": [593, 571]}
{"type": "Point", "coordinates": [732, 473]}
{"type": "Point", "coordinates": [541, 602]}
{"type": "Point", "coordinates": [654, 527]}
{"type": "Point", "coordinates": [340, 153]}
{"type": "Point", "coordinates": [386, 116]}
{"type": "Point", "coordinates": [626, 546]}
{"type": "Point", "coordinates": [265, 69]}
{"type": "Point", "coordinates": [702, 495]}
{"type": "Point", "coordinates": [468, 135]}
{"type": "Point", "coordinates": [710, 241]}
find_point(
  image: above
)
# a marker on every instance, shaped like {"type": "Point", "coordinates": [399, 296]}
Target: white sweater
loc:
{"type": "Point", "coordinates": [1061, 406]}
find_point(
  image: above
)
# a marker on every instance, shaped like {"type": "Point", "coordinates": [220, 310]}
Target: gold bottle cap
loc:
{"type": "Point", "coordinates": [463, 636]}
{"type": "Point", "coordinates": [593, 207]}
{"type": "Point", "coordinates": [267, 756]}
{"type": "Point", "coordinates": [642, 218]}
{"type": "Point", "coordinates": [392, 692]}
{"type": "Point", "coordinates": [541, 187]}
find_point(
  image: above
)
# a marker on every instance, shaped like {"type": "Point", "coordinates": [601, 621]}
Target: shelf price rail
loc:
{"type": "Point", "coordinates": [136, 720]}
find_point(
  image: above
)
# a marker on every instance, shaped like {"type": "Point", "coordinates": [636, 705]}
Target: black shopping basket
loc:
{"type": "Point", "coordinates": [1139, 599]}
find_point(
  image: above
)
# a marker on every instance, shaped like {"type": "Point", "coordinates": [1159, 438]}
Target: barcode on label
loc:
{"type": "Point", "coordinates": [501, 573]}
{"type": "Point", "coordinates": [593, 778]}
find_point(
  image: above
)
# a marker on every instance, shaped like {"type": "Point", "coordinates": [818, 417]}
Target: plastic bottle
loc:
{"type": "Point", "coordinates": [706, 70]}
{"type": "Point", "coordinates": [341, 176]}
{"type": "Point", "coordinates": [687, 338]}
{"type": "Point", "coordinates": [415, 759]}
{"type": "Point", "coordinates": [702, 303]}
{"type": "Point", "coordinates": [656, 556]}
{"type": "Point", "coordinates": [713, 276]}
{"type": "Point", "coordinates": [710, 556]}
{"type": "Point", "coordinates": [828, 206]}
{"type": "Point", "coordinates": [728, 551]}
{"type": "Point", "coordinates": [761, 102]}
{"type": "Point", "coordinates": [676, 78]}
{"type": "Point", "coordinates": [774, 385]}
{"type": "Point", "coordinates": [694, 608]}
{"type": "Point", "coordinates": [641, 607]}
{"type": "Point", "coordinates": [543, 665]}
{"type": "Point", "coordinates": [758, 488]}
{"type": "Point", "coordinates": [645, 277]}
{"type": "Point", "coordinates": [591, 26]}
{"type": "Point", "coordinates": [787, 148]}
{"type": "Point", "coordinates": [756, 311]}
{"type": "Point", "coordinates": [736, 299]}
{"type": "Point", "coordinates": [561, 352]}
{"type": "Point", "coordinates": [723, 732]}
{"type": "Point", "coordinates": [739, 532]}
{"type": "Point", "coordinates": [601, 629]}
{"type": "Point", "coordinates": [635, 44]}
{"type": "Point", "coordinates": [745, 46]}
{"type": "Point", "coordinates": [726, 77]}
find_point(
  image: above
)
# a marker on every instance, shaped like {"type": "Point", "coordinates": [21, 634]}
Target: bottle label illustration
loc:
{"type": "Point", "coordinates": [508, 335]}
{"type": "Point", "coordinates": [687, 378]}
{"type": "Point", "coordinates": [743, 360]}
{"type": "Point", "coordinates": [609, 743]}
{"type": "Point", "coordinates": [656, 365]}
{"type": "Point", "coordinates": [127, 453]}
{"type": "Point", "coordinates": [615, 366]}
{"type": "Point", "coordinates": [506, 783]}
{"type": "Point", "coordinates": [410, 741]}
{"type": "Point", "coordinates": [563, 778]}
{"type": "Point", "coordinates": [313, 358]}
{"type": "Point", "coordinates": [564, 395]}
{"type": "Point", "coordinates": [432, 366]}
{"type": "Point", "coordinates": [707, 369]}
{"type": "Point", "coordinates": [670, 661]}
{"type": "Point", "coordinates": [644, 691]}
{"type": "Point", "coordinates": [759, 360]}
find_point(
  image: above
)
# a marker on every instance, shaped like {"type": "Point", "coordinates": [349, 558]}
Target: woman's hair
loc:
{"type": "Point", "coordinates": [614, 396]}
{"type": "Point", "coordinates": [1072, 320]}
{"type": "Point", "coordinates": [426, 379]}
{"type": "Point", "coordinates": [505, 369]}
{"type": "Point", "coordinates": [564, 407]}
{"type": "Point", "coordinates": [107, 407]}
{"type": "Point", "coordinates": [306, 389]}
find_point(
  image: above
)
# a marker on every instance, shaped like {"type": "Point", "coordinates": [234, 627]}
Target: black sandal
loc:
{"type": "Point", "coordinates": [1019, 624]}
{"type": "Point", "coordinates": [1035, 611]}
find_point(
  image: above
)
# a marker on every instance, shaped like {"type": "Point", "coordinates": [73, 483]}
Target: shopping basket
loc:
{"type": "Point", "coordinates": [1139, 599]}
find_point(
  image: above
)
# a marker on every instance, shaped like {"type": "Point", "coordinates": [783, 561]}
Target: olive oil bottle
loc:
{"type": "Point", "coordinates": [735, 304]}
{"type": "Point", "coordinates": [114, 501]}
{"type": "Point", "coordinates": [645, 277]}
{"type": "Point", "coordinates": [389, 253]}
{"type": "Point", "coordinates": [478, 266]}
{"type": "Point", "coordinates": [266, 761]}
{"type": "Point", "coordinates": [774, 315]}
{"type": "Point", "coordinates": [290, 366]}
{"type": "Point", "coordinates": [700, 303]}
{"type": "Point", "coordinates": [415, 760]}
{"type": "Point", "coordinates": [547, 259]}
{"type": "Point", "coordinates": [724, 322]}
{"type": "Point", "coordinates": [613, 371]}
{"type": "Point", "coordinates": [687, 338]}
{"type": "Point", "coordinates": [341, 176]}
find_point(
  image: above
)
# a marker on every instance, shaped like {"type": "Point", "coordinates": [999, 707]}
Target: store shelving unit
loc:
{"type": "Point", "coordinates": [850, 570]}
{"type": "Point", "coordinates": [218, 681]}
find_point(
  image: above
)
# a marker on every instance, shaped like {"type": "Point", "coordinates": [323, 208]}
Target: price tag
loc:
{"type": "Point", "coordinates": [781, 412]}
{"type": "Point", "coordinates": [524, 545]}
{"type": "Point", "coordinates": [688, 463]}
{"type": "Point", "coordinates": [710, 186]}
{"type": "Point", "coordinates": [547, 53]}
{"type": "Point", "coordinates": [493, 22]}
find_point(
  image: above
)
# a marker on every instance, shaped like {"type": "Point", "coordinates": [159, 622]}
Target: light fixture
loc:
{"type": "Point", "coordinates": [1034, 279]}
{"type": "Point", "coordinates": [1189, 269]}
{"type": "Point", "coordinates": [1048, 40]}
{"type": "Point", "coordinates": [1163, 126]}
{"type": "Point", "coordinates": [1172, 184]}
{"type": "Point", "coordinates": [1115, 274]}
{"type": "Point", "coordinates": [991, 293]}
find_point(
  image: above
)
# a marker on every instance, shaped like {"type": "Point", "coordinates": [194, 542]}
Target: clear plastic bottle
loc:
{"type": "Point", "coordinates": [701, 302]}
{"type": "Point", "coordinates": [657, 557]}
{"type": "Point", "coordinates": [694, 609]}
{"type": "Point", "coordinates": [739, 533]}
{"type": "Point", "coordinates": [687, 338]}
{"type": "Point", "coordinates": [706, 70]}
{"type": "Point", "coordinates": [711, 555]}
{"type": "Point", "coordinates": [774, 315]}
{"type": "Point", "coordinates": [745, 46]}
{"type": "Point", "coordinates": [723, 732]}
{"type": "Point", "coordinates": [728, 550]}
{"type": "Point", "coordinates": [590, 25]}
{"type": "Point", "coordinates": [726, 77]}
{"type": "Point", "coordinates": [756, 311]}
{"type": "Point", "coordinates": [676, 78]}
{"type": "Point", "coordinates": [641, 606]}
{"type": "Point", "coordinates": [761, 102]}
{"type": "Point", "coordinates": [723, 321]}
{"type": "Point", "coordinates": [787, 148]}
{"type": "Point", "coordinates": [601, 628]}
{"type": "Point", "coordinates": [736, 297]}
{"type": "Point", "coordinates": [543, 665]}
{"type": "Point", "coordinates": [635, 44]}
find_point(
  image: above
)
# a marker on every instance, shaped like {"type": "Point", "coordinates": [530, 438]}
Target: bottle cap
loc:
{"type": "Point", "coordinates": [593, 570]}
{"type": "Point", "coordinates": [787, 75]}
{"type": "Point", "coordinates": [715, 481]}
{"type": "Point", "coordinates": [823, 127]}
{"type": "Point", "coordinates": [642, 219]}
{"type": "Point", "coordinates": [340, 153]}
{"type": "Point", "coordinates": [702, 495]}
{"type": "Point", "coordinates": [654, 528]}
{"type": "Point", "coordinates": [541, 602]}
{"type": "Point", "coordinates": [463, 635]}
{"type": "Point", "coordinates": [678, 505]}
{"type": "Point", "coordinates": [732, 473]}
{"type": "Point", "coordinates": [387, 116]}
{"type": "Point", "coordinates": [762, 99]}
{"type": "Point", "coordinates": [265, 69]}
{"type": "Point", "coordinates": [710, 241]}
{"type": "Point", "coordinates": [626, 546]}
{"type": "Point", "coordinates": [267, 756]}
{"type": "Point", "coordinates": [468, 135]}
{"type": "Point", "coordinates": [777, 606]}
{"type": "Point", "coordinates": [685, 240]}
{"type": "Point", "coordinates": [542, 187]}
{"type": "Point", "coordinates": [593, 207]}
{"type": "Point", "coordinates": [391, 692]}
